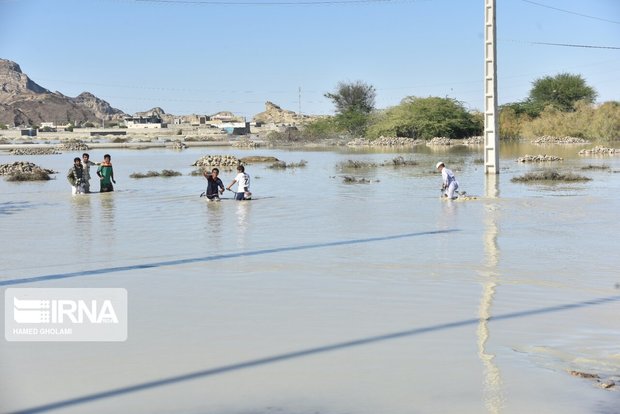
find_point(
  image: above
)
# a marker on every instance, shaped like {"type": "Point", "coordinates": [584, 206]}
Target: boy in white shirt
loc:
{"type": "Point", "coordinates": [243, 184]}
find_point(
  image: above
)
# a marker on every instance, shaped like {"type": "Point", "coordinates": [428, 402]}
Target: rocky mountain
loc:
{"type": "Point", "coordinates": [14, 83]}
{"type": "Point", "coordinates": [24, 102]}
{"type": "Point", "coordinates": [100, 108]}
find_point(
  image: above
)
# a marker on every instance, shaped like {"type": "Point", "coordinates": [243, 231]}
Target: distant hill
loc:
{"type": "Point", "coordinates": [24, 102]}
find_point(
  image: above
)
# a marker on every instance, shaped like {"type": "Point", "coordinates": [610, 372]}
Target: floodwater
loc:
{"type": "Point", "coordinates": [321, 296]}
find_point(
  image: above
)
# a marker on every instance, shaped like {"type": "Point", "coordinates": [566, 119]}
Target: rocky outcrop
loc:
{"type": "Point", "coordinates": [385, 142]}
{"type": "Point", "coordinates": [159, 112]}
{"type": "Point", "coordinates": [99, 107]}
{"type": "Point", "coordinates": [472, 141]}
{"type": "Point", "coordinates": [273, 114]}
{"type": "Point", "coordinates": [547, 139]}
{"type": "Point", "coordinates": [224, 116]}
{"type": "Point", "coordinates": [178, 145]}
{"type": "Point", "coordinates": [24, 102]}
{"type": "Point", "coordinates": [246, 143]}
{"type": "Point", "coordinates": [74, 146]}
{"type": "Point", "coordinates": [14, 83]}
{"type": "Point", "coordinates": [217, 161]}
{"type": "Point", "coordinates": [22, 167]}
{"type": "Point", "coordinates": [34, 151]}
{"type": "Point", "coordinates": [440, 141]}
{"type": "Point", "coordinates": [451, 141]}
{"type": "Point", "coordinates": [538, 158]}
{"type": "Point", "coordinates": [599, 150]}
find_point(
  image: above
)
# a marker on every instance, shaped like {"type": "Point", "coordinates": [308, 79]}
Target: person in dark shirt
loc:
{"type": "Point", "coordinates": [215, 186]}
{"type": "Point", "coordinates": [75, 176]}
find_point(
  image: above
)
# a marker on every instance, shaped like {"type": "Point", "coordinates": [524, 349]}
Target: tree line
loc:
{"type": "Point", "coordinates": [560, 105]}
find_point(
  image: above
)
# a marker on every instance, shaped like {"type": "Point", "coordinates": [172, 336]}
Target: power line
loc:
{"type": "Point", "coordinates": [162, 88]}
{"type": "Point", "coordinates": [562, 44]}
{"type": "Point", "coordinates": [571, 12]}
{"type": "Point", "coordinates": [265, 3]}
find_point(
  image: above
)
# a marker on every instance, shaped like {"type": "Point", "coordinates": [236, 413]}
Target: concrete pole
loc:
{"type": "Point", "coordinates": [491, 114]}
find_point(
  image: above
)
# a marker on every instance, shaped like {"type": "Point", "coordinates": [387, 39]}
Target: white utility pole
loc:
{"type": "Point", "coordinates": [300, 102]}
{"type": "Point", "coordinates": [491, 114]}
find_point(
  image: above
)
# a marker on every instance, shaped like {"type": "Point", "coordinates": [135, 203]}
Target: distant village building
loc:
{"type": "Point", "coordinates": [197, 120]}
{"type": "Point", "coordinates": [235, 128]}
{"type": "Point", "coordinates": [139, 122]}
{"type": "Point", "coordinates": [229, 123]}
{"type": "Point", "coordinates": [29, 132]}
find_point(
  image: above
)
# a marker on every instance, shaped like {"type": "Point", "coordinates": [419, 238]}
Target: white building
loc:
{"type": "Point", "coordinates": [139, 122]}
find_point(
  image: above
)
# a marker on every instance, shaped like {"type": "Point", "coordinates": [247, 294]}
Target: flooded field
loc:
{"type": "Point", "coordinates": [322, 296]}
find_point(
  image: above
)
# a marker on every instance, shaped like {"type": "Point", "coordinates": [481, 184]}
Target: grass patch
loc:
{"type": "Point", "coordinates": [162, 173]}
{"type": "Point", "coordinates": [281, 165]}
{"type": "Point", "coordinates": [552, 176]}
{"type": "Point", "coordinates": [355, 180]}
{"type": "Point", "coordinates": [119, 140]}
{"type": "Point", "coordinates": [34, 175]}
{"type": "Point", "coordinates": [348, 164]}
{"type": "Point", "coordinates": [198, 172]}
{"type": "Point", "coordinates": [596, 167]}
{"type": "Point", "coordinates": [402, 162]}
{"type": "Point", "coordinates": [399, 161]}
{"type": "Point", "coordinates": [252, 159]}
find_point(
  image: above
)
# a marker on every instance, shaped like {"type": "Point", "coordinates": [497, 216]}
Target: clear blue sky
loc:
{"type": "Point", "coordinates": [204, 58]}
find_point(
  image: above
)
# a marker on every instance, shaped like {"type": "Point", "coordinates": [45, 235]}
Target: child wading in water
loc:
{"type": "Point", "coordinates": [106, 174]}
{"type": "Point", "coordinates": [243, 184]}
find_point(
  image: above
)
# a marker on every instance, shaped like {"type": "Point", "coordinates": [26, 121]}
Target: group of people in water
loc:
{"type": "Point", "coordinates": [79, 175]}
{"type": "Point", "coordinates": [215, 186]}
{"type": "Point", "coordinates": [79, 178]}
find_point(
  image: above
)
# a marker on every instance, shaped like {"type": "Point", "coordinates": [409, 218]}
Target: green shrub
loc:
{"type": "Point", "coordinates": [289, 136]}
{"type": "Point", "coordinates": [321, 128]}
{"type": "Point", "coordinates": [561, 92]}
{"type": "Point", "coordinates": [426, 118]}
{"type": "Point", "coordinates": [587, 121]}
